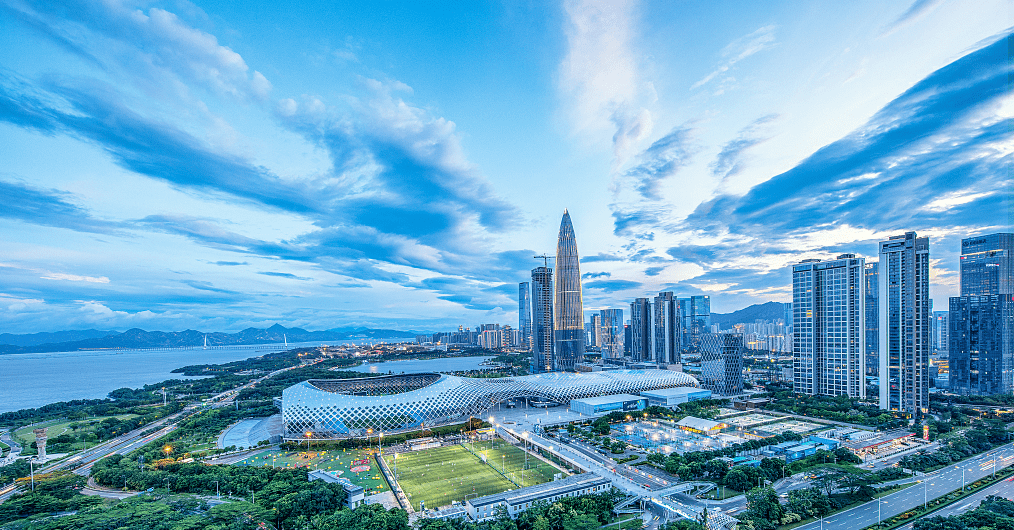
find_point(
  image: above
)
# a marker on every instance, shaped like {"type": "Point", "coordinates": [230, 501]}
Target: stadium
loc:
{"type": "Point", "coordinates": [321, 409]}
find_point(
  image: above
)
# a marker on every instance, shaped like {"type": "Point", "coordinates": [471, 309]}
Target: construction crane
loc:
{"type": "Point", "coordinates": [545, 259]}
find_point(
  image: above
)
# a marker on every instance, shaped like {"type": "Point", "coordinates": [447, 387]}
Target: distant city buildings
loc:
{"type": "Point", "coordinates": [828, 301]}
{"type": "Point", "coordinates": [525, 314]}
{"type": "Point", "coordinates": [609, 337]}
{"type": "Point", "coordinates": [904, 323]}
{"type": "Point", "coordinates": [872, 321]}
{"type": "Point", "coordinates": [641, 336]}
{"type": "Point", "coordinates": [980, 322]}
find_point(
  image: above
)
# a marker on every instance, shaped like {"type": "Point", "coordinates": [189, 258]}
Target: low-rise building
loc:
{"type": "Point", "coordinates": [600, 404]}
{"type": "Point", "coordinates": [354, 495]}
{"type": "Point", "coordinates": [519, 500]}
{"type": "Point", "coordinates": [670, 397]}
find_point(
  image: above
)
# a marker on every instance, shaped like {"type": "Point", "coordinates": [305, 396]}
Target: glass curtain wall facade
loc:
{"type": "Point", "coordinates": [904, 311]}
{"type": "Point", "coordinates": [667, 339]}
{"type": "Point", "coordinates": [611, 335]}
{"type": "Point", "coordinates": [829, 358]}
{"type": "Point", "coordinates": [641, 334]}
{"type": "Point", "coordinates": [525, 315]}
{"type": "Point", "coordinates": [542, 320]}
{"type": "Point", "coordinates": [981, 321]}
{"type": "Point", "coordinates": [722, 362]}
{"type": "Point", "coordinates": [872, 318]}
{"type": "Point", "coordinates": [568, 318]}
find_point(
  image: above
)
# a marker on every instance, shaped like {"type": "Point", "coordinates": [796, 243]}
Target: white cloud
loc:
{"type": "Point", "coordinates": [740, 49]}
{"type": "Point", "coordinates": [600, 76]}
{"type": "Point", "coordinates": [74, 278]}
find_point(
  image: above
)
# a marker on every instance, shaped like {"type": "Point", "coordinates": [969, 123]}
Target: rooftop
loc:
{"type": "Point", "coordinates": [541, 491]}
{"type": "Point", "coordinates": [605, 400]}
{"type": "Point", "coordinates": [669, 392]}
{"type": "Point", "coordinates": [700, 424]}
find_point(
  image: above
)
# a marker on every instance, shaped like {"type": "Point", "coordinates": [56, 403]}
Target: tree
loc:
{"type": "Point", "coordinates": [763, 503]}
{"type": "Point", "coordinates": [737, 479]}
{"type": "Point", "coordinates": [682, 524]}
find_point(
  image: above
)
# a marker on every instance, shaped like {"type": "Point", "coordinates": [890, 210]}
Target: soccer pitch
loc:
{"type": "Point", "coordinates": [512, 460]}
{"type": "Point", "coordinates": [357, 465]}
{"type": "Point", "coordinates": [443, 474]}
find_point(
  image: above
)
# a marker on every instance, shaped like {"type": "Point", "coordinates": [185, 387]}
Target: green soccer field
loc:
{"type": "Point", "coordinates": [443, 474]}
{"type": "Point", "coordinates": [524, 472]}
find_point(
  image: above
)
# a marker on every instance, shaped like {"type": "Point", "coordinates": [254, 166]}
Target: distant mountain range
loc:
{"type": "Point", "coordinates": [766, 311]}
{"type": "Point", "coordinates": [139, 338]}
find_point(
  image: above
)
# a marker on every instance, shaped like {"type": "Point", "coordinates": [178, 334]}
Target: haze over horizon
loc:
{"type": "Point", "coordinates": [218, 166]}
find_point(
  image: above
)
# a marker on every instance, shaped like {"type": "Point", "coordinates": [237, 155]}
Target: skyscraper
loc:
{"type": "Point", "coordinates": [981, 321]}
{"type": "Point", "coordinates": [542, 320]}
{"type": "Point", "coordinates": [594, 331]}
{"type": "Point", "coordinates": [695, 319]}
{"type": "Point", "coordinates": [568, 312]}
{"type": "Point", "coordinates": [939, 326]}
{"type": "Point", "coordinates": [987, 265]}
{"type": "Point", "coordinates": [904, 311]}
{"type": "Point", "coordinates": [667, 340]}
{"type": "Point", "coordinates": [641, 330]}
{"type": "Point", "coordinates": [525, 315]}
{"type": "Point", "coordinates": [722, 362]}
{"type": "Point", "coordinates": [872, 318]}
{"type": "Point", "coordinates": [611, 334]}
{"type": "Point", "coordinates": [828, 347]}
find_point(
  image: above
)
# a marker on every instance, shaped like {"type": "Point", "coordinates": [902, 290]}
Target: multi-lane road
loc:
{"type": "Point", "coordinates": [931, 486]}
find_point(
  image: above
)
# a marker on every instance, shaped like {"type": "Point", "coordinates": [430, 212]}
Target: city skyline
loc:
{"type": "Point", "coordinates": [215, 167]}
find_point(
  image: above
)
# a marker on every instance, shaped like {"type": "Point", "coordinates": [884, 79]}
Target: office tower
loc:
{"type": "Point", "coordinates": [872, 318]}
{"type": "Point", "coordinates": [595, 331]}
{"type": "Point", "coordinates": [700, 318]}
{"type": "Point", "coordinates": [981, 320]}
{"type": "Point", "coordinates": [626, 339]}
{"type": "Point", "coordinates": [568, 312]}
{"type": "Point", "coordinates": [542, 320]}
{"type": "Point", "coordinates": [904, 323]}
{"type": "Point", "coordinates": [981, 345]}
{"type": "Point", "coordinates": [525, 315]}
{"type": "Point", "coordinates": [828, 349]}
{"type": "Point", "coordinates": [611, 334]}
{"type": "Point", "coordinates": [667, 339]}
{"type": "Point", "coordinates": [641, 331]}
{"type": "Point", "coordinates": [787, 317]}
{"type": "Point", "coordinates": [722, 362]}
{"type": "Point", "coordinates": [939, 326]}
{"type": "Point", "coordinates": [987, 265]}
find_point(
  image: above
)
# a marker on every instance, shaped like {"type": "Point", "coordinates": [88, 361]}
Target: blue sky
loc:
{"type": "Point", "coordinates": [173, 165]}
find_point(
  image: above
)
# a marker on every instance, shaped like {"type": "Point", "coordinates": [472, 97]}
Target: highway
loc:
{"type": "Point", "coordinates": [932, 486]}
{"type": "Point", "coordinates": [82, 462]}
{"type": "Point", "coordinates": [1004, 488]}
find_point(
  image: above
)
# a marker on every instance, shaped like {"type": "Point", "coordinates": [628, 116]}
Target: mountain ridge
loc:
{"type": "Point", "coordinates": [139, 338]}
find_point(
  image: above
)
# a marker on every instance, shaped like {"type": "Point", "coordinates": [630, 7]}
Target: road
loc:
{"type": "Point", "coordinates": [82, 462]}
{"type": "Point", "coordinates": [932, 486]}
{"type": "Point", "coordinates": [1004, 488]}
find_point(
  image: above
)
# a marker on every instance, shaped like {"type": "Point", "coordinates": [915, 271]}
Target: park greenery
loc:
{"type": "Point", "coordinates": [994, 513]}
{"type": "Point", "coordinates": [587, 512]}
{"type": "Point", "coordinates": [834, 408]}
{"type": "Point", "coordinates": [981, 437]}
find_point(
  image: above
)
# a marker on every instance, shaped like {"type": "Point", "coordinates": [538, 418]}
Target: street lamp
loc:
{"type": "Point", "coordinates": [308, 435]}
{"type": "Point", "coordinates": [217, 492]}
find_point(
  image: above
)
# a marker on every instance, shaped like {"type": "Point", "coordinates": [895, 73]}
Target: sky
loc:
{"type": "Point", "coordinates": [221, 165]}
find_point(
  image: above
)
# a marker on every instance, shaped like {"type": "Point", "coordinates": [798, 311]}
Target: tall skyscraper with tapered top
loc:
{"type": "Point", "coordinates": [568, 312]}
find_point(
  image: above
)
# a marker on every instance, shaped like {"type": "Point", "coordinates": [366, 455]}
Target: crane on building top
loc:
{"type": "Point", "coordinates": [545, 259]}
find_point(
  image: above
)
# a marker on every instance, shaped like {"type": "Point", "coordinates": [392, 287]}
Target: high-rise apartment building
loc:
{"type": "Point", "coordinates": [904, 311]}
{"type": "Point", "coordinates": [611, 333]}
{"type": "Point", "coordinates": [595, 331]}
{"type": "Point", "coordinates": [787, 317]}
{"type": "Point", "coordinates": [667, 341]}
{"type": "Point", "coordinates": [641, 331]}
{"type": "Point", "coordinates": [542, 320]}
{"type": "Point", "coordinates": [722, 362]}
{"type": "Point", "coordinates": [829, 339]}
{"type": "Point", "coordinates": [872, 293]}
{"type": "Point", "coordinates": [980, 331]}
{"type": "Point", "coordinates": [525, 315]}
{"type": "Point", "coordinates": [568, 311]}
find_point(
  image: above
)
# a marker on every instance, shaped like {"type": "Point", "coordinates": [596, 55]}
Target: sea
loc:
{"type": "Point", "coordinates": [29, 380]}
{"type": "Point", "coordinates": [443, 364]}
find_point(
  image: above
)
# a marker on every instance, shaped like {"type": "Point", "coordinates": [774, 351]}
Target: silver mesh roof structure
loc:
{"type": "Point", "coordinates": [345, 408]}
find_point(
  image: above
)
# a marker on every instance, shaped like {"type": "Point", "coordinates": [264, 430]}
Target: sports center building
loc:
{"type": "Point", "coordinates": [321, 409]}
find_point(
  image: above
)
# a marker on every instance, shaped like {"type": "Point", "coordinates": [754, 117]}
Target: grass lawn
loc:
{"type": "Point", "coordinates": [340, 460]}
{"type": "Point", "coordinates": [443, 474]}
{"type": "Point", "coordinates": [720, 493]}
{"type": "Point", "coordinates": [55, 428]}
{"type": "Point", "coordinates": [500, 453]}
